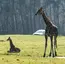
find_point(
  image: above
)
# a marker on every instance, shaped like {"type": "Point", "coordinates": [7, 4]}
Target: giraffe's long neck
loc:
{"type": "Point", "coordinates": [11, 44]}
{"type": "Point", "coordinates": [46, 20]}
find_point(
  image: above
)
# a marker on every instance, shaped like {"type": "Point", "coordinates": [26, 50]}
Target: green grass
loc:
{"type": "Point", "coordinates": [32, 49]}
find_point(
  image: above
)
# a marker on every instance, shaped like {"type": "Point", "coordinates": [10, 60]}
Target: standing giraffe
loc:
{"type": "Point", "coordinates": [51, 31]}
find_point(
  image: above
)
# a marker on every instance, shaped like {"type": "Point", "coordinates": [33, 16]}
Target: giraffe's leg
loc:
{"type": "Point", "coordinates": [55, 45]}
{"type": "Point", "coordinates": [51, 51]}
{"type": "Point", "coordinates": [46, 37]}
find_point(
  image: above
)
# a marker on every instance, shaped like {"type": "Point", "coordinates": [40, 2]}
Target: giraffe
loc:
{"type": "Point", "coordinates": [51, 31]}
{"type": "Point", "coordinates": [12, 46]}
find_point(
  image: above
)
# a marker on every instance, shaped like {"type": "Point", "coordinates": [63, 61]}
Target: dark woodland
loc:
{"type": "Point", "coordinates": [18, 16]}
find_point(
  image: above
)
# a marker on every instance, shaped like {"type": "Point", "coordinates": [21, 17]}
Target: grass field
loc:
{"type": "Point", "coordinates": [32, 49]}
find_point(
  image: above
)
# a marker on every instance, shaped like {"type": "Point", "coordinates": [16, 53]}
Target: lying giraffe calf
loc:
{"type": "Point", "coordinates": [12, 47]}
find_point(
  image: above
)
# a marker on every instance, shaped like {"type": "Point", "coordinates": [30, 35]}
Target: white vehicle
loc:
{"type": "Point", "coordinates": [39, 32]}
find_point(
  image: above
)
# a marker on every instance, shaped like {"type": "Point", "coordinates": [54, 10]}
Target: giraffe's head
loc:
{"type": "Point", "coordinates": [8, 39]}
{"type": "Point", "coordinates": [39, 11]}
